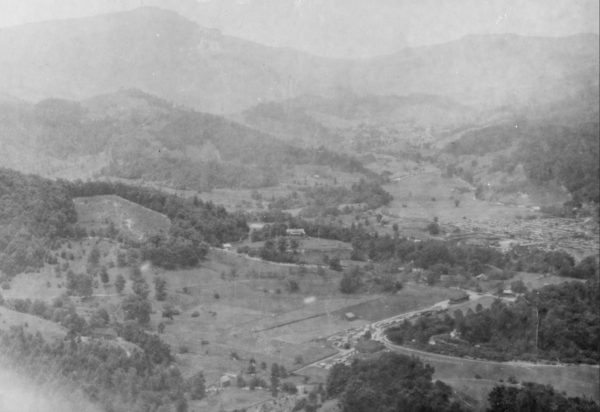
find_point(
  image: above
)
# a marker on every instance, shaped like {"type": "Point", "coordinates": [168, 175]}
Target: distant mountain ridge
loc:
{"type": "Point", "coordinates": [162, 53]}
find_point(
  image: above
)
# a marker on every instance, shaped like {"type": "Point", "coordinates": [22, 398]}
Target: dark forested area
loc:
{"type": "Point", "coordinates": [535, 397]}
{"type": "Point", "coordinates": [556, 322]}
{"type": "Point", "coordinates": [568, 156]}
{"type": "Point", "coordinates": [34, 213]}
{"type": "Point", "coordinates": [390, 382]}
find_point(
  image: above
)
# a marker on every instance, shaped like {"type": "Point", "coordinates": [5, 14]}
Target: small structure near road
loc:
{"type": "Point", "coordinates": [226, 380]}
{"type": "Point", "coordinates": [295, 232]}
{"type": "Point", "coordinates": [459, 299]}
{"type": "Point", "coordinates": [349, 316]}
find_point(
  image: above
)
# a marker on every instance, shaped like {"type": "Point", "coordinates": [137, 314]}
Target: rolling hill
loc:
{"type": "Point", "coordinates": [131, 134]}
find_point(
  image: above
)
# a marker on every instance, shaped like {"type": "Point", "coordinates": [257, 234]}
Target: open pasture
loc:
{"type": "Point", "coordinates": [130, 219]}
{"type": "Point", "coordinates": [410, 298]}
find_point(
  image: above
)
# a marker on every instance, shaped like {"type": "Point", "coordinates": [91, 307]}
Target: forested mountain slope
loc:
{"type": "Point", "coordinates": [134, 135]}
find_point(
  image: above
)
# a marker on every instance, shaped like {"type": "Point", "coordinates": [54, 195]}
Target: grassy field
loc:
{"type": "Point", "coordinates": [33, 324]}
{"type": "Point", "coordinates": [130, 219]}
{"type": "Point", "coordinates": [411, 297]}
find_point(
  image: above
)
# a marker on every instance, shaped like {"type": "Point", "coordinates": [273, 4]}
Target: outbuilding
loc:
{"type": "Point", "coordinates": [350, 316]}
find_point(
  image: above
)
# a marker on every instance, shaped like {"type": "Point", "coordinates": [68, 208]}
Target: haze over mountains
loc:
{"type": "Point", "coordinates": [342, 28]}
{"type": "Point", "coordinates": [162, 53]}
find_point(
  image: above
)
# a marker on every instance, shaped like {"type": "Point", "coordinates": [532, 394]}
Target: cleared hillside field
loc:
{"type": "Point", "coordinates": [32, 324]}
{"type": "Point", "coordinates": [130, 219]}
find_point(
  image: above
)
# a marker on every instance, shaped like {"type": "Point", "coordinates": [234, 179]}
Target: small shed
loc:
{"type": "Point", "coordinates": [256, 226]}
{"type": "Point", "coordinates": [295, 232]}
{"type": "Point", "coordinates": [350, 316]}
{"type": "Point", "coordinates": [225, 381]}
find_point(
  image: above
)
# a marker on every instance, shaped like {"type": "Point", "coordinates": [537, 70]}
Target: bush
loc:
{"type": "Point", "coordinates": [350, 282]}
{"type": "Point", "coordinates": [433, 228]}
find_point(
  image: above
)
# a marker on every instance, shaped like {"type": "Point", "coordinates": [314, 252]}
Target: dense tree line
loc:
{"type": "Point", "coordinates": [530, 397]}
{"type": "Point", "coordinates": [368, 192]}
{"type": "Point", "coordinates": [556, 322]}
{"type": "Point", "coordinates": [390, 382]}
{"type": "Point", "coordinates": [529, 259]}
{"type": "Point", "coordinates": [34, 213]}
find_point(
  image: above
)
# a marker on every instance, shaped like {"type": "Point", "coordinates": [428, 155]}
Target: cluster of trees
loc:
{"type": "Point", "coordinates": [369, 192]}
{"type": "Point", "coordinates": [117, 381]}
{"type": "Point", "coordinates": [35, 213]}
{"type": "Point", "coordinates": [529, 259]}
{"type": "Point", "coordinates": [425, 254]}
{"type": "Point", "coordinates": [555, 322]}
{"type": "Point", "coordinates": [351, 280]}
{"type": "Point", "coordinates": [535, 397]}
{"type": "Point", "coordinates": [390, 382]}
{"type": "Point", "coordinates": [79, 284]}
{"type": "Point", "coordinates": [283, 249]}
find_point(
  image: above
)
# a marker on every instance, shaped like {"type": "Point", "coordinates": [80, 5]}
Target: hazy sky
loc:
{"type": "Point", "coordinates": [421, 21]}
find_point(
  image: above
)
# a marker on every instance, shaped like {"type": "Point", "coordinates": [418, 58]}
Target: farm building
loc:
{"type": "Point", "coordinates": [462, 298]}
{"type": "Point", "coordinates": [256, 226]}
{"type": "Point", "coordinates": [295, 232]}
{"type": "Point", "coordinates": [226, 380]}
{"type": "Point", "coordinates": [350, 316]}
